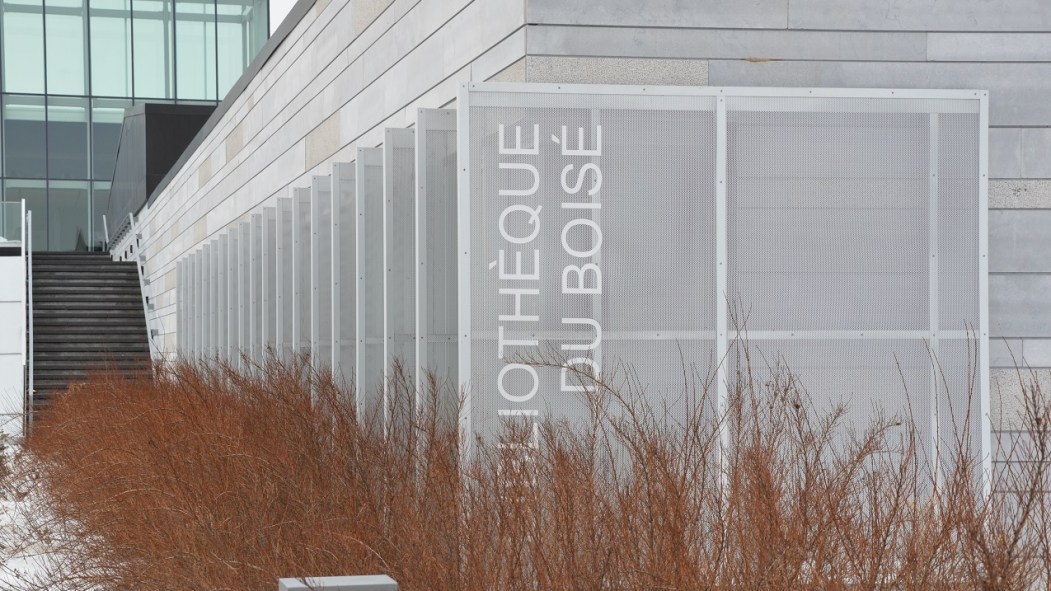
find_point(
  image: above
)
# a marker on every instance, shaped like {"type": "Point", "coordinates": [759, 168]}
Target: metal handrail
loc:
{"type": "Point", "coordinates": [105, 233]}
{"type": "Point", "coordinates": [125, 226]}
{"type": "Point", "coordinates": [140, 261]}
{"type": "Point", "coordinates": [27, 253]}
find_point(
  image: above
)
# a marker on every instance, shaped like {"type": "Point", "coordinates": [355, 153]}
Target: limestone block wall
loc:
{"type": "Point", "coordinates": [350, 68]}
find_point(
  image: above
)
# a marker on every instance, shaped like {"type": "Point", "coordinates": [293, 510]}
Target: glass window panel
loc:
{"type": "Point", "coordinates": [67, 138]}
{"type": "Point", "coordinates": [25, 137]}
{"type": "Point", "coordinates": [99, 207]}
{"type": "Point", "coordinates": [66, 49]}
{"type": "Point", "coordinates": [107, 115]}
{"type": "Point", "coordinates": [257, 19]}
{"type": "Point", "coordinates": [232, 42]}
{"type": "Point", "coordinates": [23, 45]}
{"type": "Point", "coordinates": [68, 215]}
{"type": "Point", "coordinates": [111, 47]}
{"type": "Point", "coordinates": [152, 46]}
{"type": "Point", "coordinates": [35, 194]}
{"type": "Point", "coordinates": [195, 49]}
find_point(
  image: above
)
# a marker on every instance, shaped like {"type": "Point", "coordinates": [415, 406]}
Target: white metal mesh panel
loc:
{"type": "Point", "coordinates": [840, 230]}
{"type": "Point", "coordinates": [828, 210]}
{"type": "Point", "coordinates": [399, 195]}
{"type": "Point", "coordinates": [205, 299]}
{"type": "Point", "coordinates": [301, 291]}
{"type": "Point", "coordinates": [255, 306]}
{"type": "Point", "coordinates": [221, 311]}
{"type": "Point", "coordinates": [184, 307]}
{"type": "Point", "coordinates": [321, 271]}
{"type": "Point", "coordinates": [371, 368]}
{"type": "Point", "coordinates": [244, 280]}
{"type": "Point", "coordinates": [284, 278]}
{"type": "Point", "coordinates": [621, 282]}
{"type": "Point", "coordinates": [180, 307]}
{"type": "Point", "coordinates": [268, 301]}
{"type": "Point", "coordinates": [839, 211]}
{"type": "Point", "coordinates": [957, 228]}
{"type": "Point", "coordinates": [194, 295]}
{"type": "Point", "coordinates": [344, 265]}
{"type": "Point", "coordinates": [233, 296]}
{"type": "Point", "coordinates": [436, 254]}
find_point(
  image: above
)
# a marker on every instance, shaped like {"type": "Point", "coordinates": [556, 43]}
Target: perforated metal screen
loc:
{"type": "Point", "coordinates": [399, 216]}
{"type": "Point", "coordinates": [321, 272]}
{"type": "Point", "coordinates": [838, 232]}
{"type": "Point", "coordinates": [344, 272]}
{"type": "Point", "coordinates": [436, 254]}
{"type": "Point", "coordinates": [371, 263]}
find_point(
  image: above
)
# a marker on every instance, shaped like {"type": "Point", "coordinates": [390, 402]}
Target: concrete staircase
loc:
{"type": "Point", "coordinates": [87, 316]}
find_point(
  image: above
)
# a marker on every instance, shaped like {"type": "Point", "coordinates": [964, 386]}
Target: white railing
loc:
{"type": "Point", "coordinates": [123, 229]}
{"type": "Point", "coordinates": [27, 345]}
{"type": "Point", "coordinates": [147, 307]}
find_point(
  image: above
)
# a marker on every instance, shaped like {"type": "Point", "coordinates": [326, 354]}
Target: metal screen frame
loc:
{"type": "Point", "coordinates": [599, 96]}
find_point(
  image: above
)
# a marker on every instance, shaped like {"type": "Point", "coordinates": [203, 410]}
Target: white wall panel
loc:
{"type": "Point", "coordinates": [436, 258]}
{"type": "Point", "coordinates": [678, 42]}
{"type": "Point", "coordinates": [763, 14]}
{"type": "Point", "coordinates": [1019, 88]}
{"type": "Point", "coordinates": [961, 15]}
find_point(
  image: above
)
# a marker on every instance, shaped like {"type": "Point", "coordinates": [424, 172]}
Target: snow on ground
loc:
{"type": "Point", "coordinates": [31, 556]}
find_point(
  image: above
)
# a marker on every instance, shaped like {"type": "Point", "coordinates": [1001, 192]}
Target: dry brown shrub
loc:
{"type": "Point", "coordinates": [209, 478]}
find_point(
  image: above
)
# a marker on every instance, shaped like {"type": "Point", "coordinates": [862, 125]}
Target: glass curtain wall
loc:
{"type": "Point", "coordinates": [69, 68]}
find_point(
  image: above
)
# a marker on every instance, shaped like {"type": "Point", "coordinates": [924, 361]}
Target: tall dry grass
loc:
{"type": "Point", "coordinates": [209, 478]}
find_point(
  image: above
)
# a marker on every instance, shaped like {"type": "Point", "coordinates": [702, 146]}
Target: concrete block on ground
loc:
{"type": "Point", "coordinates": [358, 583]}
